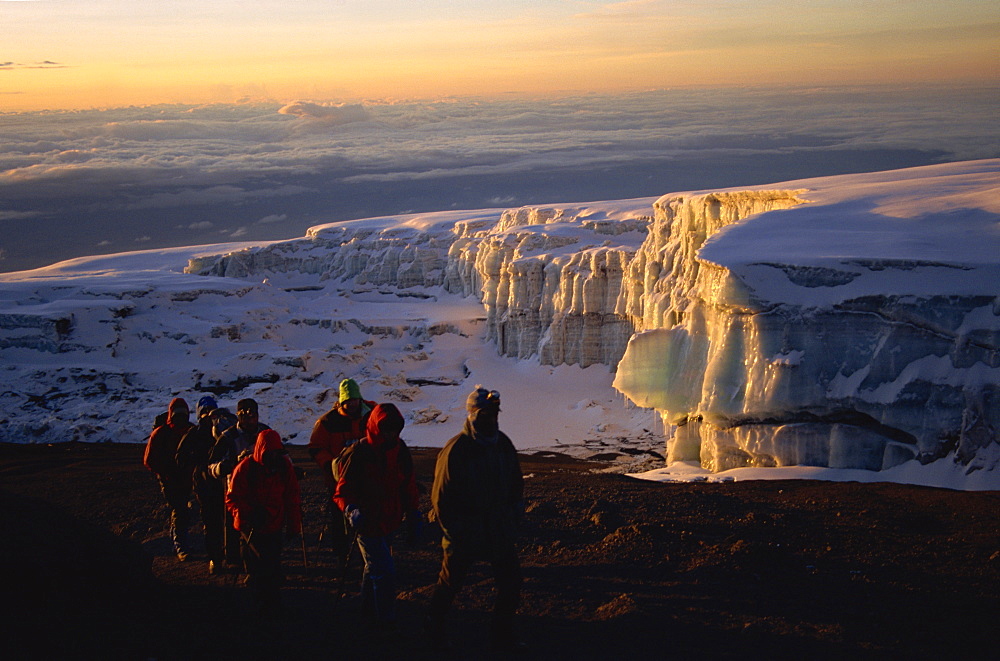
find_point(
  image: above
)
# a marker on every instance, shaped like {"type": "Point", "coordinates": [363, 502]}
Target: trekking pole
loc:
{"type": "Point", "coordinates": [343, 569]}
{"type": "Point", "coordinates": [302, 537]}
{"type": "Point", "coordinates": [246, 540]}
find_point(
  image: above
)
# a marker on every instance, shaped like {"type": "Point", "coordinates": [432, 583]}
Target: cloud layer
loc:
{"type": "Point", "coordinates": [178, 175]}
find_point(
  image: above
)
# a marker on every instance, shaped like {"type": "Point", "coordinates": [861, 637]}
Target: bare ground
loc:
{"type": "Point", "coordinates": [614, 568]}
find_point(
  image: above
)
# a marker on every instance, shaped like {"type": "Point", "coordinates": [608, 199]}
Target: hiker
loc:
{"type": "Point", "coordinates": [193, 454]}
{"type": "Point", "coordinates": [175, 481]}
{"type": "Point", "coordinates": [222, 420]}
{"type": "Point", "coordinates": [336, 430]}
{"type": "Point", "coordinates": [477, 498]}
{"type": "Point", "coordinates": [264, 500]}
{"type": "Point", "coordinates": [232, 446]}
{"type": "Point", "coordinates": [376, 491]}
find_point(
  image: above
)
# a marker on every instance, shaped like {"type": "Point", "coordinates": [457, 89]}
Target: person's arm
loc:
{"type": "Point", "coordinates": [154, 458]}
{"type": "Point", "coordinates": [320, 442]}
{"type": "Point", "coordinates": [238, 499]}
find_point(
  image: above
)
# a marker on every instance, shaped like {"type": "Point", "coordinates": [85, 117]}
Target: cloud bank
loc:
{"type": "Point", "coordinates": [103, 179]}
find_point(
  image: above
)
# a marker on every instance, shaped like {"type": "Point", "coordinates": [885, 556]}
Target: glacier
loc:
{"type": "Point", "coordinates": [853, 326]}
{"type": "Point", "coordinates": [849, 321]}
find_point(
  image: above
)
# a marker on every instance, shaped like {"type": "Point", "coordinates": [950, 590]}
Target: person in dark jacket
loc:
{"type": "Point", "coordinates": [175, 481]}
{"type": "Point", "coordinates": [235, 444]}
{"type": "Point", "coordinates": [265, 501]}
{"type": "Point", "coordinates": [377, 490]}
{"type": "Point", "coordinates": [477, 498]}
{"type": "Point", "coordinates": [337, 429]}
{"type": "Point", "coordinates": [193, 454]}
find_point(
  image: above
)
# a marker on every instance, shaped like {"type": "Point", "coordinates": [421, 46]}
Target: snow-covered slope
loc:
{"type": "Point", "coordinates": [821, 322]}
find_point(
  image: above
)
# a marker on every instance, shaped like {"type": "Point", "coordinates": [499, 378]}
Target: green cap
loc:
{"type": "Point", "coordinates": [349, 390]}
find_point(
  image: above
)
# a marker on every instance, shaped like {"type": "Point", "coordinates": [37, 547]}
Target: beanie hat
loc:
{"type": "Point", "coordinates": [206, 405]}
{"type": "Point", "coordinates": [349, 390]}
{"type": "Point", "coordinates": [246, 405]}
{"type": "Point", "coordinates": [482, 398]}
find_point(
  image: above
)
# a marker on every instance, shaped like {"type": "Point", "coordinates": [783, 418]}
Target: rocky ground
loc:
{"type": "Point", "coordinates": [614, 568]}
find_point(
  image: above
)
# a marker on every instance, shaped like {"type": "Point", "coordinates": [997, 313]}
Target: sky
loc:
{"type": "Point", "coordinates": [62, 54]}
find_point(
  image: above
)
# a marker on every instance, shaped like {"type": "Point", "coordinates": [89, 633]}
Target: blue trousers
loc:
{"type": "Point", "coordinates": [378, 583]}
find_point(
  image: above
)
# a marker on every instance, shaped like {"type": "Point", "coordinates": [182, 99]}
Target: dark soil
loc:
{"type": "Point", "coordinates": [614, 568]}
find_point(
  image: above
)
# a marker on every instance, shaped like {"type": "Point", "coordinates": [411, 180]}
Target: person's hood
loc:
{"type": "Point", "coordinates": [175, 404]}
{"type": "Point", "coordinates": [266, 440]}
{"type": "Point", "coordinates": [384, 424]}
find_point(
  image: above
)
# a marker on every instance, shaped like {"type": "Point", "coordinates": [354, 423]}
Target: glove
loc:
{"type": "Point", "coordinates": [414, 527]}
{"type": "Point", "coordinates": [354, 516]}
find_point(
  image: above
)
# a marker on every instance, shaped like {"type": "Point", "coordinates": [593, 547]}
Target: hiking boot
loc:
{"type": "Point", "coordinates": [214, 568]}
{"type": "Point", "coordinates": [182, 555]}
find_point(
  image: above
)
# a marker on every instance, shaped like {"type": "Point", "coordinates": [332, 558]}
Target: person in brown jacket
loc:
{"type": "Point", "coordinates": [478, 500]}
{"type": "Point", "coordinates": [175, 481]}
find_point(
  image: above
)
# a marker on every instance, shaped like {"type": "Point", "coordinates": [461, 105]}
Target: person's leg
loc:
{"type": "Point", "coordinates": [213, 519]}
{"type": "Point", "coordinates": [455, 565]}
{"type": "Point", "coordinates": [507, 572]}
{"type": "Point", "coordinates": [233, 545]}
{"type": "Point", "coordinates": [270, 546]}
{"type": "Point", "coordinates": [180, 517]}
{"type": "Point", "coordinates": [250, 559]}
{"type": "Point", "coordinates": [380, 571]}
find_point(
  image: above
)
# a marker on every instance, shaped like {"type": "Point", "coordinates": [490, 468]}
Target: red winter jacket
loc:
{"type": "Point", "coordinates": [333, 431]}
{"type": "Point", "coordinates": [377, 475]}
{"type": "Point", "coordinates": [161, 449]}
{"type": "Point", "coordinates": [261, 500]}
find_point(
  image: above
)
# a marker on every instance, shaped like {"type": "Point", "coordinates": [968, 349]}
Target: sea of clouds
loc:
{"type": "Point", "coordinates": [76, 183]}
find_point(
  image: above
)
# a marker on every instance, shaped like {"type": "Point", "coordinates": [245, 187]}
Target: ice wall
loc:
{"type": "Point", "coordinates": [859, 330]}
{"type": "Point", "coordinates": [549, 278]}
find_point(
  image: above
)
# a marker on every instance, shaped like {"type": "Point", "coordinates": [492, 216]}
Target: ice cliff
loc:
{"type": "Point", "coordinates": [857, 325]}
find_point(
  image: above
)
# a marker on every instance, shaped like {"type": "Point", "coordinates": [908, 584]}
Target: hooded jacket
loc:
{"type": "Point", "coordinates": [478, 492]}
{"type": "Point", "coordinates": [377, 475]}
{"type": "Point", "coordinates": [161, 450]}
{"type": "Point", "coordinates": [261, 500]}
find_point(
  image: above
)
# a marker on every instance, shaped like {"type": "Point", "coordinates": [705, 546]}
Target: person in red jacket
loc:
{"type": "Point", "coordinates": [376, 491]}
{"type": "Point", "coordinates": [336, 430]}
{"type": "Point", "coordinates": [175, 480]}
{"type": "Point", "coordinates": [264, 500]}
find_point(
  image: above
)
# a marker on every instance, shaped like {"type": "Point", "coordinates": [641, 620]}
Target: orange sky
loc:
{"type": "Point", "coordinates": [59, 54]}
